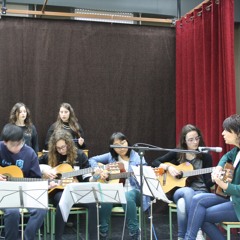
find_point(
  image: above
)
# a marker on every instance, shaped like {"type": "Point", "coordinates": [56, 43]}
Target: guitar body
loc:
{"type": "Point", "coordinates": [11, 171]}
{"type": "Point", "coordinates": [168, 182]}
{"type": "Point", "coordinates": [61, 185]}
{"type": "Point", "coordinates": [227, 175]}
{"type": "Point", "coordinates": [61, 168]}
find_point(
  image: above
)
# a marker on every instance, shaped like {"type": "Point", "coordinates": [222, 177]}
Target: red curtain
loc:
{"type": "Point", "coordinates": [205, 79]}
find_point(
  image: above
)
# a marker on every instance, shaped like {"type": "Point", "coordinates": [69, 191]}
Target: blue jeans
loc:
{"type": "Point", "coordinates": [12, 219]}
{"type": "Point", "coordinates": [133, 200]}
{"type": "Point", "coordinates": [206, 210]}
{"type": "Point", "coordinates": [183, 198]}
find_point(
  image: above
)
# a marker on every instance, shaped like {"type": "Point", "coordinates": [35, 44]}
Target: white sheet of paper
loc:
{"type": "Point", "coordinates": [24, 194]}
{"type": "Point", "coordinates": [151, 185]}
{"type": "Point", "coordinates": [90, 193]}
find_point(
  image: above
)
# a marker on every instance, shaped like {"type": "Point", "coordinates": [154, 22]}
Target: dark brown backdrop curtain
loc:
{"type": "Point", "coordinates": [205, 79]}
{"type": "Point", "coordinates": [116, 77]}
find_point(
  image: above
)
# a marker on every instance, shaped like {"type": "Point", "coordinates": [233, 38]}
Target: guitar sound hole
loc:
{"type": "Point", "coordinates": [179, 176]}
{"type": "Point", "coordinates": [59, 176]}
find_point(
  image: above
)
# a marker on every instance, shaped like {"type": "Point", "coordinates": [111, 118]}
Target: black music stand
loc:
{"type": "Point", "coordinates": [151, 187]}
{"type": "Point", "coordinates": [91, 192]}
{"type": "Point", "coordinates": [24, 195]}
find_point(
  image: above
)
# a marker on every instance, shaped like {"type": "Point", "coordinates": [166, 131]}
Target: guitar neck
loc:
{"type": "Point", "coordinates": [16, 179]}
{"type": "Point", "coordinates": [77, 172]}
{"type": "Point", "coordinates": [119, 175]}
{"type": "Point", "coordinates": [198, 172]}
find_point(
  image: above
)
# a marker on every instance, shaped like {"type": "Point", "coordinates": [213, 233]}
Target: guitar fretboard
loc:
{"type": "Point", "coordinates": [198, 172]}
{"type": "Point", "coordinates": [77, 172]}
{"type": "Point", "coordinates": [119, 175]}
{"type": "Point", "coordinates": [15, 179]}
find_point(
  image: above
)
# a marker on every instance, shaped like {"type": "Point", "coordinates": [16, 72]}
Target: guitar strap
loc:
{"type": "Point", "coordinates": [237, 159]}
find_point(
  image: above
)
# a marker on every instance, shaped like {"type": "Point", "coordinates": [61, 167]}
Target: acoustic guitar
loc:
{"type": "Point", "coordinates": [168, 182]}
{"type": "Point", "coordinates": [66, 174]}
{"type": "Point", "coordinates": [116, 173]}
{"type": "Point", "coordinates": [226, 175]}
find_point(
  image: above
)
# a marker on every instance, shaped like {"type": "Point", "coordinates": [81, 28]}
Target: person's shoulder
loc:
{"type": "Point", "coordinates": [52, 126]}
{"type": "Point", "coordinates": [33, 126]}
{"type": "Point", "coordinates": [28, 150]}
{"type": "Point", "coordinates": [80, 152]}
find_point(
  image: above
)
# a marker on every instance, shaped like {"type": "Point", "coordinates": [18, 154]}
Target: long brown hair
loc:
{"type": "Point", "coordinates": [182, 142]}
{"type": "Point", "coordinates": [15, 111]}
{"type": "Point", "coordinates": [53, 154]}
{"type": "Point", "coordinates": [72, 121]}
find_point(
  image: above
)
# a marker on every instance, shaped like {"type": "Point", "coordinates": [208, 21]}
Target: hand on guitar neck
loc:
{"type": "Point", "coordinates": [2, 178]}
{"type": "Point", "coordinates": [111, 169]}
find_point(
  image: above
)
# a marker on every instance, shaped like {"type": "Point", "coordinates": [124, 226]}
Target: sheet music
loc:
{"type": "Point", "coordinates": [24, 194]}
{"type": "Point", "coordinates": [151, 185]}
{"type": "Point", "coordinates": [90, 193]}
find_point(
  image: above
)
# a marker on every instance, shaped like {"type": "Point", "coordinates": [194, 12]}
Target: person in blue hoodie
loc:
{"type": "Point", "coordinates": [14, 151]}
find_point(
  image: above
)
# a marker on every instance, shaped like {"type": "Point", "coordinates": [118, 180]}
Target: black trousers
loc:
{"type": "Point", "coordinates": [60, 224]}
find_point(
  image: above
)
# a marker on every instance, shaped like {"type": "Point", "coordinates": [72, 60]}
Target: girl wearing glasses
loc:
{"type": "Point", "coordinates": [68, 121]}
{"type": "Point", "coordinates": [63, 150]}
{"type": "Point", "coordinates": [190, 139]}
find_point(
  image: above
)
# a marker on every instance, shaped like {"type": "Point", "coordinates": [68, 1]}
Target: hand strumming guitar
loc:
{"type": "Point", "coordinates": [173, 171]}
{"type": "Point", "coordinates": [99, 174]}
{"type": "Point", "coordinates": [49, 173]}
{"type": "Point", "coordinates": [2, 178]}
{"type": "Point", "coordinates": [222, 178]}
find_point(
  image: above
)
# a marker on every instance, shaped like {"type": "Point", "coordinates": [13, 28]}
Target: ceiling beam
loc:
{"type": "Point", "coordinates": [92, 16]}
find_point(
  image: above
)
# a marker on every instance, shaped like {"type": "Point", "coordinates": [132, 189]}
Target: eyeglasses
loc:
{"type": "Point", "coordinates": [62, 148]}
{"type": "Point", "coordinates": [191, 140]}
{"type": "Point", "coordinates": [121, 143]}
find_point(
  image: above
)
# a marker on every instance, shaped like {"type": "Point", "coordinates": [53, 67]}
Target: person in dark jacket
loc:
{"type": "Point", "coordinates": [190, 139]}
{"type": "Point", "coordinates": [63, 150]}
{"type": "Point", "coordinates": [20, 116]}
{"type": "Point", "coordinates": [68, 121]}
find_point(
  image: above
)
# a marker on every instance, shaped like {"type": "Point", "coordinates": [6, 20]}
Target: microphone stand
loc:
{"type": "Point", "coordinates": [141, 151]}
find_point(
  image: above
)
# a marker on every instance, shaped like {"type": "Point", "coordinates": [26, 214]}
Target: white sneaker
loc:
{"type": "Point", "coordinates": [200, 235]}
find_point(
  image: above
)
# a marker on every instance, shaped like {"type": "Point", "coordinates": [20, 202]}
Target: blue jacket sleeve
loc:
{"type": "Point", "coordinates": [104, 159]}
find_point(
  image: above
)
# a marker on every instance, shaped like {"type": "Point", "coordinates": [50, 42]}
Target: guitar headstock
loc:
{"type": "Point", "coordinates": [159, 171]}
{"type": "Point", "coordinates": [112, 167]}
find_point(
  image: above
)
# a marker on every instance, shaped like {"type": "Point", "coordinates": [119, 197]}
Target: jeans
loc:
{"type": "Point", "coordinates": [206, 210]}
{"type": "Point", "coordinates": [183, 198]}
{"type": "Point", "coordinates": [12, 219]}
{"type": "Point", "coordinates": [60, 224]}
{"type": "Point", "coordinates": [133, 200]}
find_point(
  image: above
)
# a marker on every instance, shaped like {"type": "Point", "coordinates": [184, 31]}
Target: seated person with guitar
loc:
{"type": "Point", "coordinates": [190, 139]}
{"type": "Point", "coordinates": [128, 158]}
{"type": "Point", "coordinates": [14, 152]}
{"type": "Point", "coordinates": [208, 209]}
{"type": "Point", "coordinates": [63, 155]}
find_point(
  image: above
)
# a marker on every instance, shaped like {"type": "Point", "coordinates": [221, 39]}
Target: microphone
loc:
{"type": "Point", "coordinates": [207, 149]}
